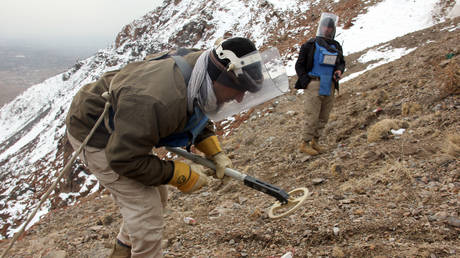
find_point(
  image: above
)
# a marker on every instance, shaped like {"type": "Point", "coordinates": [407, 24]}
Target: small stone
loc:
{"type": "Point", "coordinates": [95, 228]}
{"type": "Point", "coordinates": [338, 197]}
{"type": "Point", "coordinates": [444, 63]}
{"type": "Point", "coordinates": [107, 220]}
{"type": "Point", "coordinates": [305, 158]}
{"type": "Point", "coordinates": [164, 243]}
{"type": "Point", "coordinates": [236, 206]}
{"type": "Point", "coordinates": [358, 212]}
{"type": "Point", "coordinates": [317, 181]}
{"type": "Point", "coordinates": [291, 113]}
{"type": "Point", "coordinates": [241, 199]}
{"type": "Point", "coordinates": [255, 214]}
{"type": "Point", "coordinates": [347, 201]}
{"type": "Point", "coordinates": [189, 221]}
{"type": "Point", "coordinates": [287, 255]}
{"type": "Point", "coordinates": [442, 215]}
{"type": "Point", "coordinates": [56, 254]}
{"type": "Point", "coordinates": [437, 107]}
{"type": "Point", "coordinates": [214, 213]}
{"type": "Point", "coordinates": [392, 205]}
{"type": "Point", "coordinates": [335, 230]}
{"type": "Point", "coordinates": [453, 221]}
{"type": "Point", "coordinates": [205, 194]}
{"type": "Point", "coordinates": [177, 245]}
{"type": "Point", "coordinates": [307, 233]}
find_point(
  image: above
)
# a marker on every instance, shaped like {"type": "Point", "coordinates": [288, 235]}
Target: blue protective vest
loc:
{"type": "Point", "coordinates": [323, 67]}
{"type": "Point", "coordinates": [186, 138]}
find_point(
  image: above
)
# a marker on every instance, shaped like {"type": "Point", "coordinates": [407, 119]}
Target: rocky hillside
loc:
{"type": "Point", "coordinates": [389, 184]}
{"type": "Point", "coordinates": [32, 143]}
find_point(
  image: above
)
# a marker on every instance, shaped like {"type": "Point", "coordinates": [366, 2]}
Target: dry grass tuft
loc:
{"type": "Point", "coordinates": [410, 108]}
{"type": "Point", "coordinates": [317, 164]}
{"type": "Point", "coordinates": [336, 169]}
{"type": "Point", "coordinates": [453, 145]}
{"type": "Point", "coordinates": [392, 172]}
{"type": "Point", "coordinates": [450, 77]}
{"type": "Point", "coordinates": [381, 129]}
{"type": "Point", "coordinates": [338, 252]}
{"type": "Point", "coordinates": [379, 98]}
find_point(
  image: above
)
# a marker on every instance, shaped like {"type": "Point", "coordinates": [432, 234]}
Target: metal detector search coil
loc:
{"type": "Point", "coordinates": [284, 199]}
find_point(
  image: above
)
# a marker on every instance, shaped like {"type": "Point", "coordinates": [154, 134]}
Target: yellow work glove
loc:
{"type": "Point", "coordinates": [187, 178]}
{"type": "Point", "coordinates": [211, 148]}
{"type": "Point", "coordinates": [222, 161]}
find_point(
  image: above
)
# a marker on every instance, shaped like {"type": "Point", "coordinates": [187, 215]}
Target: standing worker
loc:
{"type": "Point", "coordinates": [319, 67]}
{"type": "Point", "coordinates": [162, 101]}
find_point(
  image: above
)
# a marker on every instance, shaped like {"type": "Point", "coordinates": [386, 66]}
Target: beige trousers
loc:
{"type": "Point", "coordinates": [317, 110]}
{"type": "Point", "coordinates": [141, 206]}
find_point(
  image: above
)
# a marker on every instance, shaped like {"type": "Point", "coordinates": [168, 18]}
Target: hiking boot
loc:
{"type": "Point", "coordinates": [120, 250]}
{"type": "Point", "coordinates": [308, 148]}
{"type": "Point", "coordinates": [317, 147]}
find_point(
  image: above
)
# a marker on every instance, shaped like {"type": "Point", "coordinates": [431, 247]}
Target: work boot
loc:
{"type": "Point", "coordinates": [308, 148]}
{"type": "Point", "coordinates": [317, 147]}
{"type": "Point", "coordinates": [120, 250]}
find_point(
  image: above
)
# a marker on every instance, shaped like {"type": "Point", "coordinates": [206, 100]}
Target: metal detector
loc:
{"type": "Point", "coordinates": [285, 201]}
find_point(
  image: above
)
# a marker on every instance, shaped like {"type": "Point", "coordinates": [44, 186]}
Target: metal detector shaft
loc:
{"type": "Point", "coordinates": [250, 181]}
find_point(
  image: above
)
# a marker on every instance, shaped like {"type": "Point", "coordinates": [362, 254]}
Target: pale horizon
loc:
{"type": "Point", "coordinates": [77, 25]}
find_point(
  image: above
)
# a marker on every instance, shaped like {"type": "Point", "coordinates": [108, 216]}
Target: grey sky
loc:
{"type": "Point", "coordinates": [65, 23]}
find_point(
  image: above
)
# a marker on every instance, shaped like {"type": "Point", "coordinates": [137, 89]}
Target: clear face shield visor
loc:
{"type": "Point", "coordinates": [257, 77]}
{"type": "Point", "coordinates": [242, 73]}
{"type": "Point", "coordinates": [327, 25]}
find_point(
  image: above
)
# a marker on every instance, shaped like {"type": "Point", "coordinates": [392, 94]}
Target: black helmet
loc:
{"type": "Point", "coordinates": [247, 77]}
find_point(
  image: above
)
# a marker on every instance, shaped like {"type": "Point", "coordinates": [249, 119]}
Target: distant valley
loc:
{"type": "Point", "coordinates": [24, 66]}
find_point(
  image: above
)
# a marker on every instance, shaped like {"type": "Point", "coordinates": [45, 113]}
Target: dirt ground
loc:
{"type": "Point", "coordinates": [394, 196]}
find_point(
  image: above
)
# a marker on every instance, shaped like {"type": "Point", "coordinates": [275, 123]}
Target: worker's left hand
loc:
{"type": "Point", "coordinates": [188, 178]}
{"type": "Point", "coordinates": [222, 161]}
{"type": "Point", "coordinates": [337, 75]}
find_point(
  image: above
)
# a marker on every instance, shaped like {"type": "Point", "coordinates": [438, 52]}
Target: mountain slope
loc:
{"type": "Point", "coordinates": [396, 196]}
{"type": "Point", "coordinates": [32, 146]}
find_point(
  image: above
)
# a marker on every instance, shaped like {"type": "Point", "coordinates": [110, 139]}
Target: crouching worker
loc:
{"type": "Point", "coordinates": [319, 68]}
{"type": "Point", "coordinates": [162, 101]}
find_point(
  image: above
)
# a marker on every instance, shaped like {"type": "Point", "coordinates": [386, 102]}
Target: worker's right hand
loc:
{"type": "Point", "coordinates": [222, 162]}
{"type": "Point", "coordinates": [188, 178]}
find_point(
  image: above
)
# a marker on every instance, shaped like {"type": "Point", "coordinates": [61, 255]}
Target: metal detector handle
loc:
{"type": "Point", "coordinates": [267, 188]}
{"type": "Point", "coordinates": [205, 162]}
{"type": "Point", "coordinates": [250, 181]}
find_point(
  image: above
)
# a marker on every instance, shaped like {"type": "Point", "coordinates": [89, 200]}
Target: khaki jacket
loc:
{"type": "Point", "coordinates": [149, 101]}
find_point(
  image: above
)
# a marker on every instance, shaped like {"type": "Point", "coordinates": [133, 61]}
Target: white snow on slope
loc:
{"type": "Point", "coordinates": [383, 22]}
{"type": "Point", "coordinates": [382, 55]}
{"type": "Point", "coordinates": [386, 21]}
